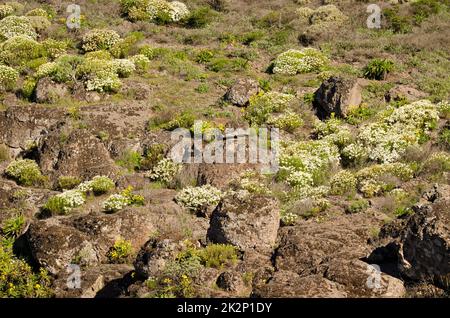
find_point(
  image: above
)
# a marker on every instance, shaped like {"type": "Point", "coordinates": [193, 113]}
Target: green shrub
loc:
{"type": "Point", "coordinates": [223, 64]}
{"type": "Point", "coordinates": [378, 69]}
{"type": "Point", "coordinates": [262, 105]}
{"type": "Point", "coordinates": [19, 50]}
{"type": "Point", "coordinates": [99, 75]}
{"type": "Point", "coordinates": [288, 121]}
{"type": "Point", "coordinates": [17, 279]}
{"type": "Point", "coordinates": [357, 206]}
{"type": "Point", "coordinates": [199, 18]}
{"type": "Point", "coordinates": [423, 9]}
{"type": "Point", "coordinates": [13, 26]}
{"type": "Point", "coordinates": [39, 23]}
{"type": "Point", "coordinates": [130, 160]}
{"type": "Point", "coordinates": [124, 47]}
{"type": "Point", "coordinates": [444, 137]}
{"type": "Point", "coordinates": [343, 182]}
{"type": "Point", "coordinates": [101, 185]}
{"type": "Point", "coordinates": [218, 255]}
{"type": "Point", "coordinates": [397, 22]}
{"type": "Point", "coordinates": [306, 60]}
{"type": "Point", "coordinates": [13, 227]}
{"type": "Point", "coordinates": [25, 172]}
{"type": "Point", "coordinates": [120, 252]}
{"type": "Point", "coordinates": [183, 120]}
{"type": "Point", "coordinates": [153, 155]}
{"type": "Point", "coordinates": [63, 203]}
{"type": "Point", "coordinates": [54, 48]}
{"type": "Point", "coordinates": [68, 183]}
{"type": "Point", "coordinates": [141, 62]}
{"type": "Point", "coordinates": [117, 202]}
{"type": "Point", "coordinates": [28, 88]}
{"type": "Point", "coordinates": [204, 57]}
{"type": "Point", "coordinates": [100, 39]}
{"type": "Point", "coordinates": [8, 78]}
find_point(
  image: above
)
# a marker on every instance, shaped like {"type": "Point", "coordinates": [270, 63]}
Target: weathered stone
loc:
{"type": "Point", "coordinates": [337, 95]}
{"type": "Point", "coordinates": [240, 92]}
{"type": "Point", "coordinates": [246, 221]}
{"type": "Point", "coordinates": [401, 92]}
{"type": "Point", "coordinates": [50, 92]}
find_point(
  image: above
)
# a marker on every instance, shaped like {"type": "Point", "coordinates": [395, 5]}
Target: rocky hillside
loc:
{"type": "Point", "coordinates": [92, 204]}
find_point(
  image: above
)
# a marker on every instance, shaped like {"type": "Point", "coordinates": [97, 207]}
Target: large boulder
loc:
{"type": "Point", "coordinates": [240, 92]}
{"type": "Point", "coordinates": [420, 245]}
{"type": "Point", "coordinates": [103, 281]}
{"type": "Point", "coordinates": [337, 95]}
{"type": "Point", "coordinates": [81, 155]}
{"type": "Point", "coordinates": [50, 92]}
{"type": "Point", "coordinates": [22, 126]}
{"type": "Point", "coordinates": [402, 92]}
{"type": "Point", "coordinates": [246, 221]}
{"type": "Point", "coordinates": [56, 242]}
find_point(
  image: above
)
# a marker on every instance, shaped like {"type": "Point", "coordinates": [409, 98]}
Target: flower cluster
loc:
{"type": "Point", "coordinates": [73, 199]}
{"type": "Point", "coordinates": [123, 67]}
{"type": "Point", "coordinates": [100, 39]}
{"type": "Point", "coordinates": [326, 15]}
{"type": "Point", "coordinates": [178, 11]}
{"type": "Point", "coordinates": [196, 198]}
{"type": "Point", "coordinates": [306, 60]}
{"type": "Point", "coordinates": [24, 171]}
{"type": "Point", "coordinates": [120, 251]}
{"type": "Point", "coordinates": [12, 26]}
{"type": "Point", "coordinates": [103, 75]}
{"type": "Point", "coordinates": [262, 105]}
{"type": "Point", "coordinates": [333, 131]}
{"type": "Point", "coordinates": [8, 77]}
{"type": "Point", "coordinates": [98, 185]}
{"type": "Point", "coordinates": [302, 162]}
{"type": "Point", "coordinates": [387, 139]}
{"type": "Point", "coordinates": [343, 182]}
{"type": "Point", "coordinates": [141, 62]}
{"type": "Point", "coordinates": [117, 202]}
{"type": "Point", "coordinates": [374, 180]}
{"type": "Point", "coordinates": [164, 171]}
{"type": "Point", "coordinates": [151, 10]}
{"type": "Point", "coordinates": [354, 154]}
{"type": "Point", "coordinates": [288, 121]}
{"type": "Point", "coordinates": [252, 182]}
{"type": "Point", "coordinates": [288, 218]}
{"type": "Point", "coordinates": [5, 10]}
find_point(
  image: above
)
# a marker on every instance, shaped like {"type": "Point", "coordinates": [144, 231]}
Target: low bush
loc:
{"type": "Point", "coordinates": [25, 172]}
{"type": "Point", "coordinates": [378, 69]}
{"type": "Point", "coordinates": [120, 251]}
{"type": "Point", "coordinates": [100, 39]}
{"type": "Point", "coordinates": [300, 61]}
{"type": "Point", "coordinates": [12, 26]}
{"type": "Point", "coordinates": [8, 78]}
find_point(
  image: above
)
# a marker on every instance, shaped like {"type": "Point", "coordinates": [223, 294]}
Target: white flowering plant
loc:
{"type": "Point", "coordinates": [25, 172]}
{"type": "Point", "coordinates": [196, 198]}
{"type": "Point", "coordinates": [8, 77]}
{"type": "Point", "coordinates": [164, 171]}
{"type": "Point", "coordinates": [263, 105]}
{"type": "Point", "coordinates": [117, 202]}
{"type": "Point", "coordinates": [302, 163]}
{"type": "Point", "coordinates": [294, 61]}
{"type": "Point", "coordinates": [12, 26]}
{"type": "Point", "coordinates": [100, 39]}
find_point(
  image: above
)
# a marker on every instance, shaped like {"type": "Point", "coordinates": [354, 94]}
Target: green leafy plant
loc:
{"type": "Point", "coordinates": [357, 206]}
{"type": "Point", "coordinates": [68, 182]}
{"type": "Point", "coordinates": [25, 172]}
{"type": "Point", "coordinates": [378, 69]}
{"type": "Point", "coordinates": [13, 226]}
{"type": "Point", "coordinates": [120, 252]}
{"type": "Point", "coordinates": [218, 255]}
